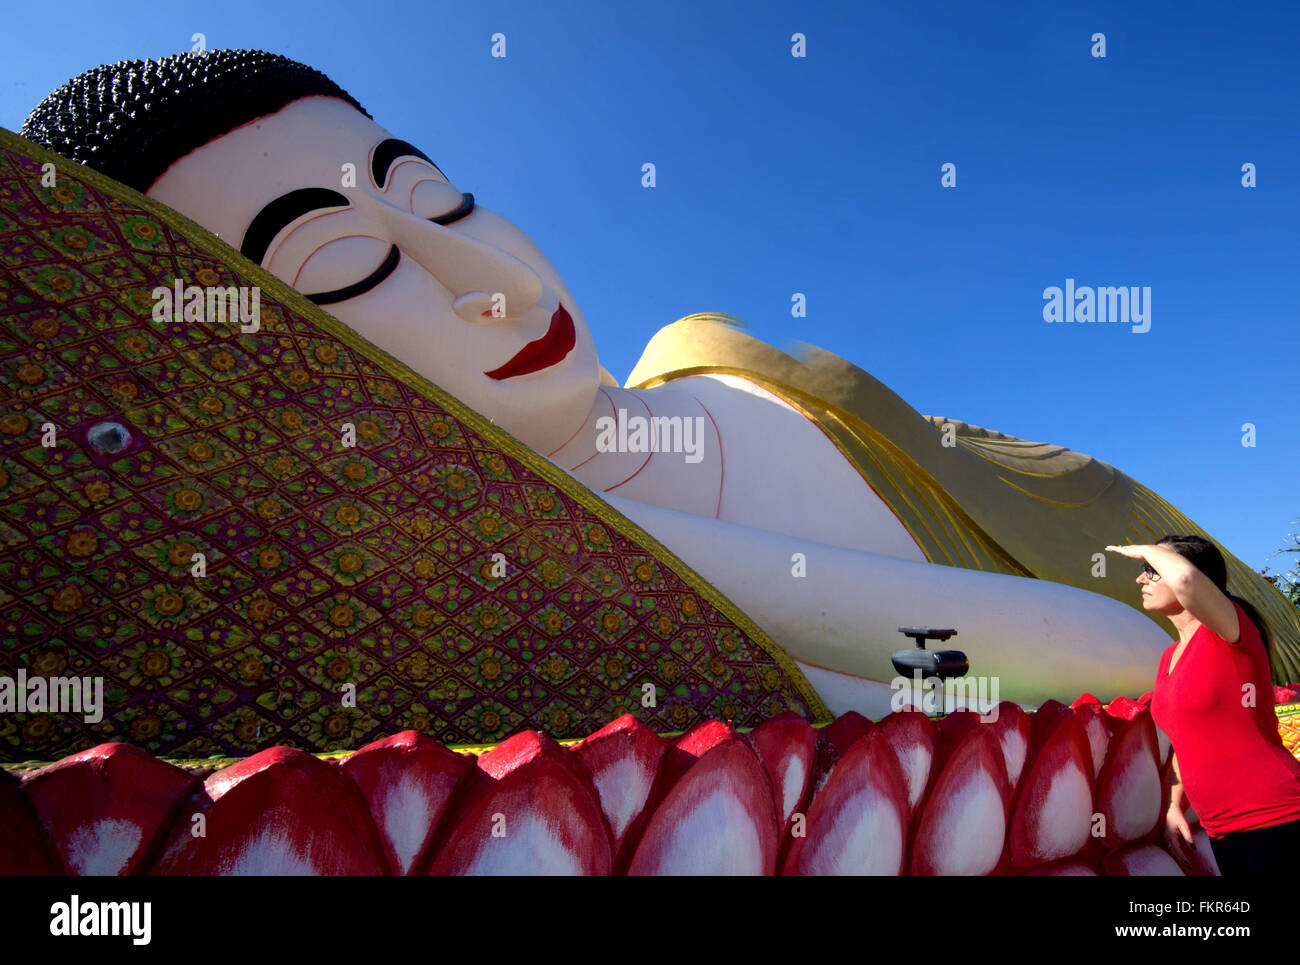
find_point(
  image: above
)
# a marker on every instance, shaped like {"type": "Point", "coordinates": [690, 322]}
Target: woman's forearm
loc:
{"type": "Point", "coordinates": [1177, 796]}
{"type": "Point", "coordinates": [1171, 567]}
{"type": "Point", "coordinates": [1193, 590]}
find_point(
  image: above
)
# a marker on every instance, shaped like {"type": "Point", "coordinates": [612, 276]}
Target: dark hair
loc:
{"type": "Point", "coordinates": [132, 120]}
{"type": "Point", "coordinates": [1205, 556]}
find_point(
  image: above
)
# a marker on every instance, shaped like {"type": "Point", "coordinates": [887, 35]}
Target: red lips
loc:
{"type": "Point", "coordinates": [542, 352]}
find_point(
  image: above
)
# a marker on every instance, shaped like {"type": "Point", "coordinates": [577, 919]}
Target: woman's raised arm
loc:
{"type": "Point", "coordinates": [1194, 590]}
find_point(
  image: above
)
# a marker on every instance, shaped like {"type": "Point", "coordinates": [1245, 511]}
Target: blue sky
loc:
{"type": "Point", "coordinates": [821, 175]}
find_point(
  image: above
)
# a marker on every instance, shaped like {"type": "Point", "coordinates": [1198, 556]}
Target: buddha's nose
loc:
{"type": "Point", "coordinates": [477, 306]}
{"type": "Point", "coordinates": [487, 284]}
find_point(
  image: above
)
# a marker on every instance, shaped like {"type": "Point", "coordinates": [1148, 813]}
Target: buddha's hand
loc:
{"type": "Point", "coordinates": [1178, 835]}
{"type": "Point", "coordinates": [1133, 552]}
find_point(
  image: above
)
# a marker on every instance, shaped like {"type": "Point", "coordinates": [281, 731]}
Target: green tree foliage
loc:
{"type": "Point", "coordinates": [1288, 583]}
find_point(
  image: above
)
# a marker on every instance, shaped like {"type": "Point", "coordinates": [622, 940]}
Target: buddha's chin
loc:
{"type": "Point", "coordinates": [544, 412]}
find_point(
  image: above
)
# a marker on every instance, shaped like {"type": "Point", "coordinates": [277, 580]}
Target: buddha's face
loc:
{"type": "Point", "coordinates": [454, 290]}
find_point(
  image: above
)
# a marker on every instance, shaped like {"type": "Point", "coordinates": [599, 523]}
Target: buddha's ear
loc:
{"type": "Point", "coordinates": [606, 378]}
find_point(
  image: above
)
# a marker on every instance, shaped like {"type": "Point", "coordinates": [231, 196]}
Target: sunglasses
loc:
{"type": "Point", "coordinates": [1152, 575]}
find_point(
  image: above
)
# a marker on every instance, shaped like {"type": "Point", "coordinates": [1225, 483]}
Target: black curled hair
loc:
{"type": "Point", "coordinates": [1205, 556]}
{"type": "Point", "coordinates": [132, 120]}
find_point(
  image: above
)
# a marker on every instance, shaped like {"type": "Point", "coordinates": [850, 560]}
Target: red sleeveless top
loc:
{"type": "Point", "coordinates": [1236, 771]}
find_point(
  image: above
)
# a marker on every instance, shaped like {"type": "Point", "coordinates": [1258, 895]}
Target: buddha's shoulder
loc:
{"type": "Point", "coordinates": [696, 341]}
{"type": "Point", "coordinates": [715, 342]}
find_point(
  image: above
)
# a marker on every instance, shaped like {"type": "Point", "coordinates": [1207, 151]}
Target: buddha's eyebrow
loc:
{"type": "Point", "coordinates": [280, 213]}
{"type": "Point", "coordinates": [388, 151]}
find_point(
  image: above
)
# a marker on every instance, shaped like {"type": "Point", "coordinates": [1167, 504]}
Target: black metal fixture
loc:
{"type": "Point", "coordinates": [920, 664]}
{"type": "Point", "coordinates": [931, 663]}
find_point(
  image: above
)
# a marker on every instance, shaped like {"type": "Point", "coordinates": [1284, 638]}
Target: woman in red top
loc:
{"type": "Point", "coordinates": [1214, 699]}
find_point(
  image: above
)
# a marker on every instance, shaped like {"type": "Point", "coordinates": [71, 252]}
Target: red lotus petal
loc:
{"type": "Point", "coordinates": [1128, 789]}
{"type": "Point", "coordinates": [678, 758]}
{"type": "Point", "coordinates": [833, 740]}
{"type": "Point", "coordinates": [857, 824]}
{"type": "Point", "coordinates": [540, 818]}
{"type": "Point", "coordinates": [23, 848]}
{"type": "Point", "coordinates": [951, 730]}
{"type": "Point", "coordinates": [787, 747]}
{"type": "Point", "coordinates": [1141, 860]}
{"type": "Point", "coordinates": [102, 809]}
{"type": "Point", "coordinates": [1070, 867]}
{"type": "Point", "coordinates": [688, 749]}
{"type": "Point", "coordinates": [1052, 818]}
{"type": "Point", "coordinates": [407, 781]}
{"type": "Point", "coordinates": [623, 758]}
{"type": "Point", "coordinates": [702, 738]}
{"type": "Point", "coordinates": [719, 819]}
{"type": "Point", "coordinates": [1012, 729]}
{"type": "Point", "coordinates": [279, 812]}
{"type": "Point", "coordinates": [1124, 707]}
{"type": "Point", "coordinates": [1083, 700]}
{"type": "Point", "coordinates": [1043, 723]}
{"type": "Point", "coordinates": [1145, 699]}
{"type": "Point", "coordinates": [962, 824]}
{"type": "Point", "coordinates": [913, 738]}
{"type": "Point", "coordinates": [526, 746]}
{"type": "Point", "coordinates": [1096, 725]}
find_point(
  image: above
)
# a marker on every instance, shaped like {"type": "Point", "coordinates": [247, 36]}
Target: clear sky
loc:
{"type": "Point", "coordinates": [821, 175]}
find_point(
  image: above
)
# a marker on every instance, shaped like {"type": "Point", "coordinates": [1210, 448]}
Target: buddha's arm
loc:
{"type": "Point", "coordinates": [1039, 638]}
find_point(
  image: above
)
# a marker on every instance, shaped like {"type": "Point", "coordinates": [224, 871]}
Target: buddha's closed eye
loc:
{"type": "Point", "coordinates": [390, 262]}
{"type": "Point", "coordinates": [386, 268]}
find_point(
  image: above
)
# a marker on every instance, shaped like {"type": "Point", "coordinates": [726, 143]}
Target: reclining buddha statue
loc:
{"type": "Point", "coordinates": [805, 492]}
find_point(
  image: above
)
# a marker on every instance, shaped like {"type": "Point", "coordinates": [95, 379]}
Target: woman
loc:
{"type": "Point", "coordinates": [1214, 699]}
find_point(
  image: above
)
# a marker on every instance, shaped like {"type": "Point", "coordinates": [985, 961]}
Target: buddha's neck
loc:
{"type": "Point", "coordinates": [631, 433]}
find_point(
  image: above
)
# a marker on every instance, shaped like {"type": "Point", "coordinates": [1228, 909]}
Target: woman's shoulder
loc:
{"type": "Point", "coordinates": [1248, 637]}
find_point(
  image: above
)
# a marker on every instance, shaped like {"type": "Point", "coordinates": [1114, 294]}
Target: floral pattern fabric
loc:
{"type": "Point", "coordinates": [434, 576]}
